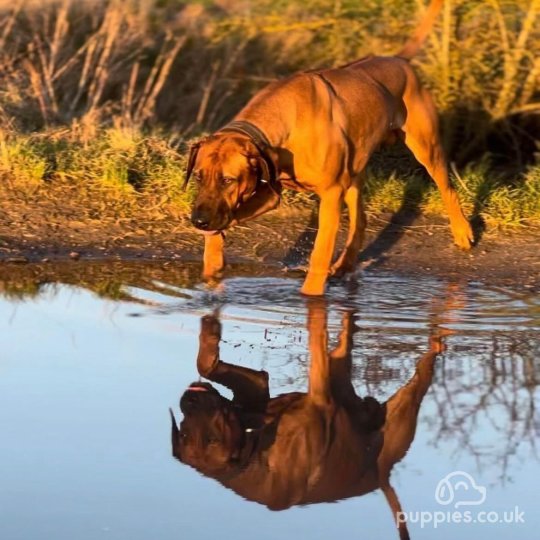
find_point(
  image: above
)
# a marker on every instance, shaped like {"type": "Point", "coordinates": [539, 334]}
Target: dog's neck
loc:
{"type": "Point", "coordinates": [254, 133]}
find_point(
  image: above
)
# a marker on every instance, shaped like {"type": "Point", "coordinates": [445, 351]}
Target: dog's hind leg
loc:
{"type": "Point", "coordinates": [357, 226]}
{"type": "Point", "coordinates": [422, 137]}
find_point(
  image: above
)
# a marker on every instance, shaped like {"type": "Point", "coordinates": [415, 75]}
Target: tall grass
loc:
{"type": "Point", "coordinates": [105, 91]}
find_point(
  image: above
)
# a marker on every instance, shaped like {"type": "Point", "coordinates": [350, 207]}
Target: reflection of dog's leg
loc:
{"type": "Point", "coordinates": [319, 370]}
{"type": "Point", "coordinates": [323, 250]}
{"type": "Point", "coordinates": [341, 362]}
{"type": "Point", "coordinates": [343, 349]}
{"type": "Point", "coordinates": [213, 259]}
{"type": "Point", "coordinates": [209, 338]}
{"type": "Point", "coordinates": [400, 425]}
{"type": "Point", "coordinates": [248, 385]}
{"type": "Point", "coordinates": [402, 410]}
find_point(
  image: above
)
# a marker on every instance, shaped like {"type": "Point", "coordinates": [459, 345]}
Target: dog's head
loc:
{"type": "Point", "coordinates": [227, 168]}
{"type": "Point", "coordinates": [210, 436]}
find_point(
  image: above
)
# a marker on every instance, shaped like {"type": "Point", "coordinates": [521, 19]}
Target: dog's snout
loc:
{"type": "Point", "coordinates": [189, 404]}
{"type": "Point", "coordinates": [200, 218]}
{"type": "Point", "coordinates": [195, 400]}
{"type": "Point", "coordinates": [201, 223]}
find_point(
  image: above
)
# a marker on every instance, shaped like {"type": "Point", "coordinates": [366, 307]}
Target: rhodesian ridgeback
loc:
{"type": "Point", "coordinates": [298, 448]}
{"type": "Point", "coordinates": [315, 131]}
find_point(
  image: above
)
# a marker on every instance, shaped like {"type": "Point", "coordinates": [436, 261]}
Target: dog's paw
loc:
{"type": "Point", "coordinates": [213, 277]}
{"type": "Point", "coordinates": [463, 236]}
{"type": "Point", "coordinates": [211, 326]}
{"type": "Point", "coordinates": [314, 285]}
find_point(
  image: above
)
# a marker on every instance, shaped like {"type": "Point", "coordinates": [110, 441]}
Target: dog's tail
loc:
{"type": "Point", "coordinates": [424, 28]}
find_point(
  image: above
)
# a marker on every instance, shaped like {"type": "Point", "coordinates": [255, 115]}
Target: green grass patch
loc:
{"type": "Point", "coordinates": [129, 173]}
{"type": "Point", "coordinates": [119, 171]}
{"type": "Point", "coordinates": [483, 193]}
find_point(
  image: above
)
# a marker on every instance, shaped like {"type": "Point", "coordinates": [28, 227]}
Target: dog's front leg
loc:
{"type": "Point", "coordinates": [323, 250]}
{"type": "Point", "coordinates": [213, 259]}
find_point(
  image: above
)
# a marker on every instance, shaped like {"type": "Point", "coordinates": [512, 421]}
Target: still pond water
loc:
{"type": "Point", "coordinates": [93, 358]}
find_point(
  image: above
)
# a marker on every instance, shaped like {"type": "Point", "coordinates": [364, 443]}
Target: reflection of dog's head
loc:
{"type": "Point", "coordinates": [210, 436]}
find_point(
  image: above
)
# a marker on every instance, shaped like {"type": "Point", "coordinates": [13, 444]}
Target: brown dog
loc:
{"type": "Point", "coordinates": [298, 448]}
{"type": "Point", "coordinates": [315, 131]}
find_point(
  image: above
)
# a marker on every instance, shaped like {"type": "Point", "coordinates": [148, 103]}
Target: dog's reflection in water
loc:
{"type": "Point", "coordinates": [298, 448]}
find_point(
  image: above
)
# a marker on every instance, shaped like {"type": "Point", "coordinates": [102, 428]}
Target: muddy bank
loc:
{"type": "Point", "coordinates": [406, 243]}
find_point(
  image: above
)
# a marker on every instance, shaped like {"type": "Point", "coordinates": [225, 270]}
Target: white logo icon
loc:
{"type": "Point", "coordinates": [459, 488]}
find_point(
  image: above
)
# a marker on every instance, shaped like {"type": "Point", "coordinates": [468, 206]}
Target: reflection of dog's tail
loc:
{"type": "Point", "coordinates": [395, 507]}
{"type": "Point", "coordinates": [415, 42]}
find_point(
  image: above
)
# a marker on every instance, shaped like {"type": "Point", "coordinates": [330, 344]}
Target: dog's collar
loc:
{"type": "Point", "coordinates": [256, 135]}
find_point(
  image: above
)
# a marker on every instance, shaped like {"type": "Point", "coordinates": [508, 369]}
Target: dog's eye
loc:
{"type": "Point", "coordinates": [228, 180]}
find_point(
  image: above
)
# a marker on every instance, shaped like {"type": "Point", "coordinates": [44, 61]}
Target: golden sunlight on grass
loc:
{"type": "Point", "coordinates": [104, 94]}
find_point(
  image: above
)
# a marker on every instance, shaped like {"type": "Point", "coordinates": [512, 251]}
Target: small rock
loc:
{"type": "Point", "coordinates": [17, 260]}
{"type": "Point", "coordinates": [45, 259]}
{"type": "Point", "coordinates": [74, 255]}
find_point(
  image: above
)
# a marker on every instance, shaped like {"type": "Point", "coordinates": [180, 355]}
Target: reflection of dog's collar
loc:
{"type": "Point", "coordinates": [257, 440]}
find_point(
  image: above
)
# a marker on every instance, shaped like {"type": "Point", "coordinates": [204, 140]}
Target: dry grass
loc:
{"type": "Point", "coordinates": [102, 94]}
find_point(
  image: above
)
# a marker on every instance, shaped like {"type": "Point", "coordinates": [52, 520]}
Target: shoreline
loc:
{"type": "Point", "coordinates": [404, 244]}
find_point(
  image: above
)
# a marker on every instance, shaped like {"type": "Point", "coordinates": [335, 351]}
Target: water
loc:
{"type": "Point", "coordinates": [93, 356]}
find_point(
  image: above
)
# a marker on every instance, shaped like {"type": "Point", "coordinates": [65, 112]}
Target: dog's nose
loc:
{"type": "Point", "coordinates": [201, 223]}
{"type": "Point", "coordinates": [201, 218]}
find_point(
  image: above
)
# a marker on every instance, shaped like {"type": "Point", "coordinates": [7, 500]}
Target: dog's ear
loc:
{"type": "Point", "coordinates": [262, 167]}
{"type": "Point", "coordinates": [193, 151]}
{"type": "Point", "coordinates": [175, 432]}
{"type": "Point", "coordinates": [266, 170]}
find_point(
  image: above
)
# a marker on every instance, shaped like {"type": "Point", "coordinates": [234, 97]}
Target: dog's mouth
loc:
{"type": "Point", "coordinates": [199, 397]}
{"type": "Point", "coordinates": [210, 223]}
{"type": "Point", "coordinates": [209, 233]}
{"type": "Point", "coordinates": [200, 387]}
